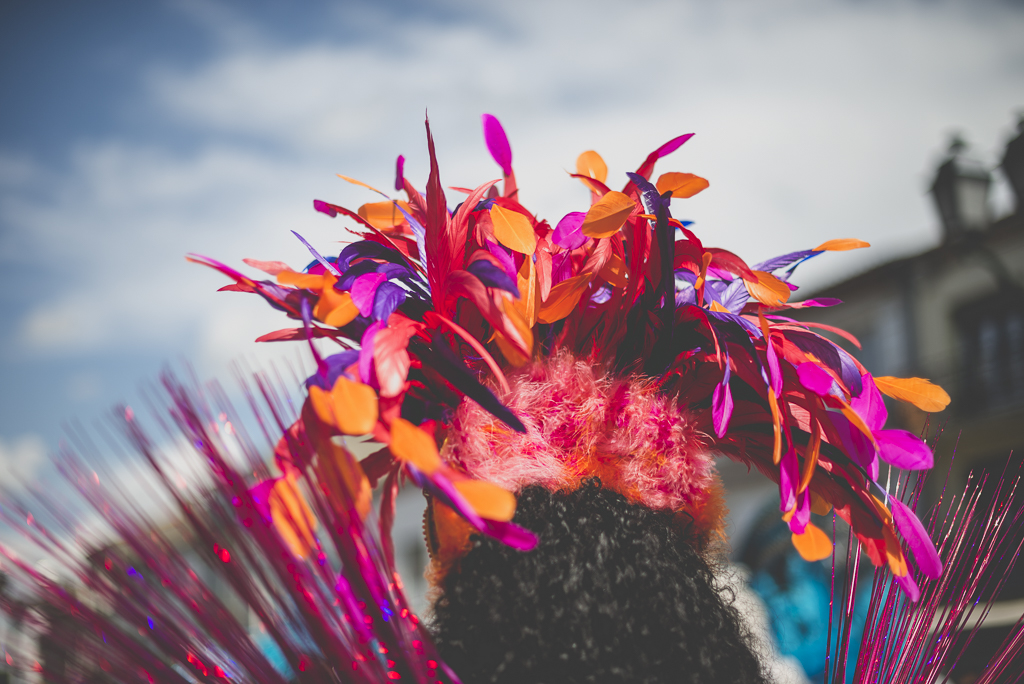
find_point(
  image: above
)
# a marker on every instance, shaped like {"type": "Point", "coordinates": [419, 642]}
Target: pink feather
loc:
{"type": "Point", "coordinates": [917, 539]}
{"type": "Point", "coordinates": [497, 143]}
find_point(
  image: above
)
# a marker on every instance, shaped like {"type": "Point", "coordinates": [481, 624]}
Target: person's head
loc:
{"type": "Point", "coordinates": [614, 592]}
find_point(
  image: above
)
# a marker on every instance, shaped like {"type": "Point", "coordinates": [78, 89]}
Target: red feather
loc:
{"type": "Point", "coordinates": [438, 256]}
{"type": "Point", "coordinates": [391, 354]}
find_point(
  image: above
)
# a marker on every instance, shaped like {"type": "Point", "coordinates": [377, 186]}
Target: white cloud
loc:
{"type": "Point", "coordinates": [122, 223]}
{"type": "Point", "coordinates": [819, 119]}
{"type": "Point", "coordinates": [20, 458]}
{"type": "Point", "coordinates": [814, 120]}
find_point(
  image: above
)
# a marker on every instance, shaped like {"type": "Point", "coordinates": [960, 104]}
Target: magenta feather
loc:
{"type": "Point", "coordinates": [497, 143]}
{"type": "Point", "coordinates": [903, 450]}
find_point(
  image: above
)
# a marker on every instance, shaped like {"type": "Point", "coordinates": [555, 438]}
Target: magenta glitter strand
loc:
{"type": "Point", "coordinates": [325, 623]}
{"type": "Point", "coordinates": [831, 603]}
{"type": "Point", "coordinates": [978, 548]}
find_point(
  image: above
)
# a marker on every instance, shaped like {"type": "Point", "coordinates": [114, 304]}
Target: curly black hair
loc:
{"type": "Point", "coordinates": [614, 592]}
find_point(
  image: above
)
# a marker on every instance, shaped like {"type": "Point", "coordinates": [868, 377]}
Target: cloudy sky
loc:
{"type": "Point", "coordinates": [132, 133]}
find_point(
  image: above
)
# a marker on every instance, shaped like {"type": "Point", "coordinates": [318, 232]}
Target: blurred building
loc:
{"type": "Point", "coordinates": [954, 315]}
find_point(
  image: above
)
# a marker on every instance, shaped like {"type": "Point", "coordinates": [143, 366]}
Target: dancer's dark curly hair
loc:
{"type": "Point", "coordinates": [613, 593]}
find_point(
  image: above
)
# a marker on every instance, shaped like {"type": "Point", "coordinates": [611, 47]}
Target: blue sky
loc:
{"type": "Point", "coordinates": [133, 133]}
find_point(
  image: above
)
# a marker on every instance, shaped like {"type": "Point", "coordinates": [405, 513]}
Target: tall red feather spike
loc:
{"type": "Point", "coordinates": [439, 251]}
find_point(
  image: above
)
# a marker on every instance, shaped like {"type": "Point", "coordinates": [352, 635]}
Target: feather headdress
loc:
{"type": "Point", "coordinates": [484, 350]}
{"type": "Point", "coordinates": [436, 309]}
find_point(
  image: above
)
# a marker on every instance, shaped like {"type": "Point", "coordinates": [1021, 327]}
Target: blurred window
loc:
{"type": "Point", "coordinates": [992, 347]}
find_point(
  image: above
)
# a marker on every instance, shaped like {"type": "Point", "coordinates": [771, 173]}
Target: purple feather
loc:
{"type": "Point", "coordinates": [492, 276]}
{"type": "Point", "coordinates": [785, 260]}
{"type": "Point", "coordinates": [649, 194]}
{"type": "Point", "coordinates": [569, 231]}
{"type": "Point", "coordinates": [684, 282]}
{"type": "Point", "coordinates": [336, 365]}
{"type": "Point", "coordinates": [686, 274]}
{"type": "Point", "coordinates": [316, 255]}
{"type": "Point", "coordinates": [389, 297]}
{"type": "Point", "coordinates": [733, 335]}
{"type": "Point", "coordinates": [307, 324]}
{"type": "Point", "coordinates": [441, 487]}
{"type": "Point", "coordinates": [367, 249]}
{"type": "Point", "coordinates": [504, 256]}
{"type": "Point", "coordinates": [418, 231]}
{"type": "Point", "coordinates": [735, 296]}
{"type": "Point", "coordinates": [394, 271]}
{"type": "Point", "coordinates": [686, 296]}
{"type": "Point", "coordinates": [497, 143]}
{"type": "Point", "coordinates": [355, 272]}
{"type": "Point", "coordinates": [849, 373]}
{"type": "Point", "coordinates": [364, 289]}
{"type": "Point", "coordinates": [601, 295]}
{"type": "Point", "coordinates": [713, 290]}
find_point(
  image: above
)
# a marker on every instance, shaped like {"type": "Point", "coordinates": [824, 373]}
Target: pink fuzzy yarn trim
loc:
{"type": "Point", "coordinates": [582, 422]}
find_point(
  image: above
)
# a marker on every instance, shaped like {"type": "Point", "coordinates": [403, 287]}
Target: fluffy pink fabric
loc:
{"type": "Point", "coordinates": [581, 422]}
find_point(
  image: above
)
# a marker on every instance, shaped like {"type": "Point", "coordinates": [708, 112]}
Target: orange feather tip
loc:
{"type": "Point", "coordinates": [335, 308]}
{"type": "Point", "coordinates": [413, 445]}
{"type": "Point", "coordinates": [384, 215]}
{"type": "Point", "coordinates": [813, 544]}
{"type": "Point", "coordinates": [768, 289]}
{"type": "Point", "coordinates": [607, 216]}
{"type": "Point", "coordinates": [922, 393]}
{"type": "Point", "coordinates": [841, 245]}
{"type": "Point", "coordinates": [292, 516]}
{"type": "Point", "coordinates": [350, 406]}
{"type": "Point", "coordinates": [360, 183]}
{"type": "Point", "coordinates": [513, 230]}
{"type": "Point", "coordinates": [488, 500]}
{"type": "Point", "coordinates": [564, 298]}
{"type": "Point", "coordinates": [682, 185]}
{"type": "Point", "coordinates": [591, 164]}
